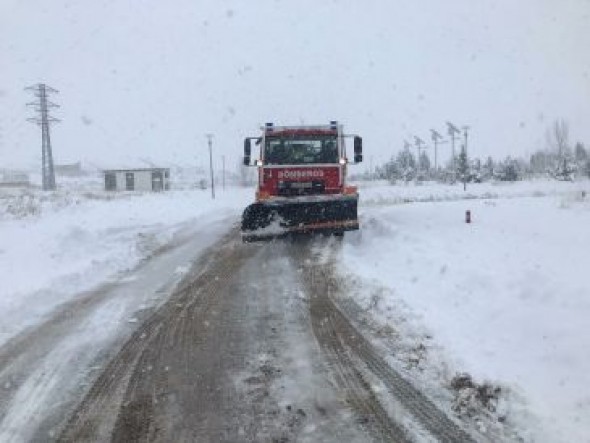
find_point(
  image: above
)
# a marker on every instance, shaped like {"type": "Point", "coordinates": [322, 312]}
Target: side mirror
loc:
{"type": "Point", "coordinates": [247, 151]}
{"type": "Point", "coordinates": [358, 149]}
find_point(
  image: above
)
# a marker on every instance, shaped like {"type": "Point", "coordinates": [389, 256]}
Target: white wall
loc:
{"type": "Point", "coordinates": [142, 182]}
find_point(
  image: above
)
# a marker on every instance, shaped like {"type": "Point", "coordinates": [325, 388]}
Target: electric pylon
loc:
{"type": "Point", "coordinates": [44, 120]}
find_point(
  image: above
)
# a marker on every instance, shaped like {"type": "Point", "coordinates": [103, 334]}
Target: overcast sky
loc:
{"type": "Point", "coordinates": [147, 79]}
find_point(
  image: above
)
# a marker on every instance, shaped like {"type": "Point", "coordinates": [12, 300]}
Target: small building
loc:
{"type": "Point", "coordinates": [70, 170]}
{"type": "Point", "coordinates": [144, 179]}
{"type": "Point", "coordinates": [14, 179]}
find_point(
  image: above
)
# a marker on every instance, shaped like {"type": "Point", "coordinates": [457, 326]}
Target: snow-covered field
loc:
{"type": "Point", "coordinates": [55, 245]}
{"type": "Point", "coordinates": [507, 297]}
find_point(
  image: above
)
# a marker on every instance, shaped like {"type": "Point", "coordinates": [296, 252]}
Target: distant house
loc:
{"type": "Point", "coordinates": [71, 170]}
{"type": "Point", "coordinates": [145, 179]}
{"type": "Point", "coordinates": [14, 179]}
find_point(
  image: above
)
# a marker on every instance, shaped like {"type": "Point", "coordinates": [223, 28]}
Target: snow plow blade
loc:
{"type": "Point", "coordinates": [276, 218]}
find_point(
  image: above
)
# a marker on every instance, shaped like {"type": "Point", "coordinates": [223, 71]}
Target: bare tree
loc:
{"type": "Point", "coordinates": [558, 141]}
{"type": "Point", "coordinates": [558, 137]}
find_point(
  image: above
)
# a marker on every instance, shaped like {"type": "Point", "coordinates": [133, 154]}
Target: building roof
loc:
{"type": "Point", "coordinates": [106, 171]}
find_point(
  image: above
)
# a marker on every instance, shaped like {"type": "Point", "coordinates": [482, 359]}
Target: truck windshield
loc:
{"type": "Point", "coordinates": [300, 150]}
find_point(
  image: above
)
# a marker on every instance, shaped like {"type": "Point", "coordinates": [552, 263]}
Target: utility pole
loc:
{"type": "Point", "coordinates": [210, 142]}
{"type": "Point", "coordinates": [453, 131]}
{"type": "Point", "coordinates": [223, 169]}
{"type": "Point", "coordinates": [44, 120]}
{"type": "Point", "coordinates": [435, 138]}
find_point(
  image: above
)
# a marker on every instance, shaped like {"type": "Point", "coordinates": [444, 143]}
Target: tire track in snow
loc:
{"type": "Point", "coordinates": [124, 402]}
{"type": "Point", "coordinates": [227, 358]}
{"type": "Point", "coordinates": [47, 368]}
{"type": "Point", "coordinates": [339, 338]}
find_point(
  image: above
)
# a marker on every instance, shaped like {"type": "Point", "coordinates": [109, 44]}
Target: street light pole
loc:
{"type": "Point", "coordinates": [223, 166]}
{"type": "Point", "coordinates": [453, 131]}
{"type": "Point", "coordinates": [210, 142]}
{"type": "Point", "coordinates": [435, 138]}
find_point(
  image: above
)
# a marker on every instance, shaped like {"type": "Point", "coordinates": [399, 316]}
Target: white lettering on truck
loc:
{"type": "Point", "coordinates": [309, 173]}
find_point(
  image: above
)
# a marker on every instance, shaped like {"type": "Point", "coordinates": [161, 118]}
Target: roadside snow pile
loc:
{"type": "Point", "coordinates": [30, 203]}
{"type": "Point", "coordinates": [19, 203]}
{"type": "Point", "coordinates": [410, 348]}
{"type": "Point", "coordinates": [506, 297]}
{"type": "Point", "coordinates": [79, 241]}
{"type": "Point", "coordinates": [383, 194]}
{"type": "Point", "coordinates": [471, 398]}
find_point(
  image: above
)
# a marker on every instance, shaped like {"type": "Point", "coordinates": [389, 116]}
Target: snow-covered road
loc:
{"type": "Point", "coordinates": [227, 353]}
{"type": "Point", "coordinates": [48, 366]}
{"type": "Point", "coordinates": [80, 271]}
{"type": "Point", "coordinates": [504, 299]}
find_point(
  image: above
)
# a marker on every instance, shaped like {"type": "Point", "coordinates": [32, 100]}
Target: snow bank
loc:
{"type": "Point", "coordinates": [506, 296]}
{"type": "Point", "coordinates": [380, 193]}
{"type": "Point", "coordinates": [73, 241]}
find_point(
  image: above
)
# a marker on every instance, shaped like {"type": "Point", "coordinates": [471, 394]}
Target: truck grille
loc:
{"type": "Point", "coordinates": [314, 187]}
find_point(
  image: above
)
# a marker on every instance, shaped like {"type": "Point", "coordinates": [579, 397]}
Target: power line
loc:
{"type": "Point", "coordinates": [41, 106]}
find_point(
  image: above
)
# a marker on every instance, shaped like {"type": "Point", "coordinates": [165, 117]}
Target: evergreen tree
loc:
{"type": "Point", "coordinates": [542, 161]}
{"type": "Point", "coordinates": [463, 167]}
{"type": "Point", "coordinates": [565, 169]}
{"type": "Point", "coordinates": [406, 163]}
{"type": "Point", "coordinates": [391, 170]}
{"type": "Point", "coordinates": [508, 170]}
{"type": "Point", "coordinates": [476, 171]}
{"type": "Point", "coordinates": [487, 170]}
{"type": "Point", "coordinates": [580, 154]}
{"type": "Point", "coordinates": [523, 168]}
{"type": "Point", "coordinates": [424, 163]}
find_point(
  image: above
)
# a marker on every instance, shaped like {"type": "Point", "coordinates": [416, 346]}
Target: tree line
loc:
{"type": "Point", "coordinates": [558, 160]}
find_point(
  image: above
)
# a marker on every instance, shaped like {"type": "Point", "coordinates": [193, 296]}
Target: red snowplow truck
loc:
{"type": "Point", "coordinates": [301, 182]}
